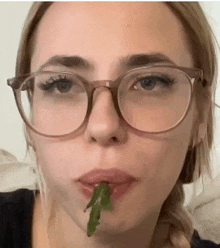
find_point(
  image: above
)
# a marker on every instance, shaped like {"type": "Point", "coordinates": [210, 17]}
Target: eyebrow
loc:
{"type": "Point", "coordinates": [128, 62]}
{"type": "Point", "coordinates": [68, 61]}
{"type": "Point", "coordinates": [137, 60]}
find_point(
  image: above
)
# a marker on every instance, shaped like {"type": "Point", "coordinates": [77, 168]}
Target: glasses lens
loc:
{"type": "Point", "coordinates": [54, 103]}
{"type": "Point", "coordinates": [154, 99]}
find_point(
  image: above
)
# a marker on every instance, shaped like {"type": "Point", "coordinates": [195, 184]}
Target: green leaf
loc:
{"type": "Point", "coordinates": [95, 196]}
{"type": "Point", "coordinates": [105, 202]}
{"type": "Point", "coordinates": [105, 199]}
{"type": "Point", "coordinates": [100, 200]}
{"type": "Point", "coordinates": [94, 219]}
{"type": "Point", "coordinates": [103, 190]}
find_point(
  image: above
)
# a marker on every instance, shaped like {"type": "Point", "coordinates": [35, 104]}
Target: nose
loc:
{"type": "Point", "coordinates": [104, 125]}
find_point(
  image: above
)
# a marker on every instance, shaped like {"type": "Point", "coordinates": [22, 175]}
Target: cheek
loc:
{"type": "Point", "coordinates": [61, 161]}
{"type": "Point", "coordinates": [161, 173]}
{"type": "Point", "coordinates": [166, 174]}
{"type": "Point", "coordinates": [165, 169]}
{"type": "Point", "coordinates": [51, 161]}
{"type": "Point", "coordinates": [168, 159]}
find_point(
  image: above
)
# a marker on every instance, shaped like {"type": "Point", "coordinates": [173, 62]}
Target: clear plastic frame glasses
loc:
{"type": "Point", "coordinates": [151, 99]}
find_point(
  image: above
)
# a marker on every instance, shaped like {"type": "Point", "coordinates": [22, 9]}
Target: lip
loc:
{"type": "Point", "coordinates": [120, 182]}
{"type": "Point", "coordinates": [114, 176]}
{"type": "Point", "coordinates": [118, 190]}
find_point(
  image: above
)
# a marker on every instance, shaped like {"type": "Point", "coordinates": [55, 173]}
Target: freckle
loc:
{"type": "Point", "coordinates": [128, 25]}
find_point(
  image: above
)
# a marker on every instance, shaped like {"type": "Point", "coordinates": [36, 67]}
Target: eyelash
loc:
{"type": "Point", "coordinates": [51, 83]}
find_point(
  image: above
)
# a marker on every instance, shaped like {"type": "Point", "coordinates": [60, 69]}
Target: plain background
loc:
{"type": "Point", "coordinates": [12, 16]}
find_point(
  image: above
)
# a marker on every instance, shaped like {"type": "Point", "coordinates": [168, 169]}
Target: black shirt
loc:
{"type": "Point", "coordinates": [16, 215]}
{"type": "Point", "coordinates": [15, 218]}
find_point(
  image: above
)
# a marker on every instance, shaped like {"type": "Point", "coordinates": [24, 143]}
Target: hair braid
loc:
{"type": "Point", "coordinates": [174, 226]}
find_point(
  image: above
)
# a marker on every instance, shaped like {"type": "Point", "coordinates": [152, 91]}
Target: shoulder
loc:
{"type": "Point", "coordinates": [15, 196]}
{"type": "Point", "coordinates": [15, 205]}
{"type": "Point", "coordinates": [197, 242]}
{"type": "Point", "coordinates": [15, 216]}
{"type": "Point", "coordinates": [16, 200]}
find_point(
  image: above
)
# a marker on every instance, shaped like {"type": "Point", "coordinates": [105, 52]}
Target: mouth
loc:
{"type": "Point", "coordinates": [120, 182]}
{"type": "Point", "coordinates": [118, 190]}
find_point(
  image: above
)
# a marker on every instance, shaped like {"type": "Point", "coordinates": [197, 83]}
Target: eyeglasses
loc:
{"type": "Point", "coordinates": [151, 99]}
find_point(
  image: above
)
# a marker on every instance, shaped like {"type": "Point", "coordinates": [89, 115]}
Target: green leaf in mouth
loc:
{"type": "Point", "coordinates": [100, 200]}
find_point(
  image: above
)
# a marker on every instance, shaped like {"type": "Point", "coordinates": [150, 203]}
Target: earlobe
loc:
{"type": "Point", "coordinates": [199, 134]}
{"type": "Point", "coordinates": [30, 144]}
{"type": "Point", "coordinates": [202, 131]}
{"type": "Point", "coordinates": [29, 139]}
{"type": "Point", "coordinates": [202, 128]}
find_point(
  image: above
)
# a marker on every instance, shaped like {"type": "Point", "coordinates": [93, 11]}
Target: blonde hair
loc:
{"type": "Point", "coordinates": [174, 221]}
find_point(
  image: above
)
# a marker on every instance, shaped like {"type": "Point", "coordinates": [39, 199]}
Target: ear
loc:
{"type": "Point", "coordinates": [29, 139]}
{"type": "Point", "coordinates": [204, 118]}
{"type": "Point", "coordinates": [202, 130]}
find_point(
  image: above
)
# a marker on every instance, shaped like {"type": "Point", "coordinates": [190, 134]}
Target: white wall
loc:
{"type": "Point", "coordinates": [12, 15]}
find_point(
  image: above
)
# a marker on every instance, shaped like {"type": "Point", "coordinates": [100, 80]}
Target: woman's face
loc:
{"type": "Point", "coordinates": [103, 34]}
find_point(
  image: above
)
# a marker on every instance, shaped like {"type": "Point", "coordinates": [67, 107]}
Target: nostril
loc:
{"type": "Point", "coordinates": [114, 139]}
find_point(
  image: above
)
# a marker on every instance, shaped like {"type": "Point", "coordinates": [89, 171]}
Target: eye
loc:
{"type": "Point", "coordinates": [63, 85]}
{"type": "Point", "coordinates": [150, 82]}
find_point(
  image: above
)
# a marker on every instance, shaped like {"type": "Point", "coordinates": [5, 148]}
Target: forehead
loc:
{"type": "Point", "coordinates": [102, 32]}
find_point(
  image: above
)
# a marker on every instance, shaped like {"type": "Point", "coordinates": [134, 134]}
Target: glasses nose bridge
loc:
{"type": "Point", "coordinates": [102, 83]}
{"type": "Point", "coordinates": [112, 86]}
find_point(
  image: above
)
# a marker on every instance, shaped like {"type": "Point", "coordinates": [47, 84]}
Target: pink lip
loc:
{"type": "Point", "coordinates": [115, 176]}
{"type": "Point", "coordinates": [120, 182]}
{"type": "Point", "coordinates": [118, 190]}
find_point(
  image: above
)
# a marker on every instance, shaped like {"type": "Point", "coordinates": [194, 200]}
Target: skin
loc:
{"type": "Point", "coordinates": [103, 33]}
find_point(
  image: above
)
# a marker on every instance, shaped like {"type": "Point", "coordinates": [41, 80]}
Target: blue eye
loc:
{"type": "Point", "coordinates": [150, 82]}
{"type": "Point", "coordinates": [63, 85]}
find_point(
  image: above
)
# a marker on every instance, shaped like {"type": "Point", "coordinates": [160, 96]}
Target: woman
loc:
{"type": "Point", "coordinates": [109, 91]}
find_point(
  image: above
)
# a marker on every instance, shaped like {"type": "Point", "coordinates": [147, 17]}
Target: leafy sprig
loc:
{"type": "Point", "coordinates": [100, 200]}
